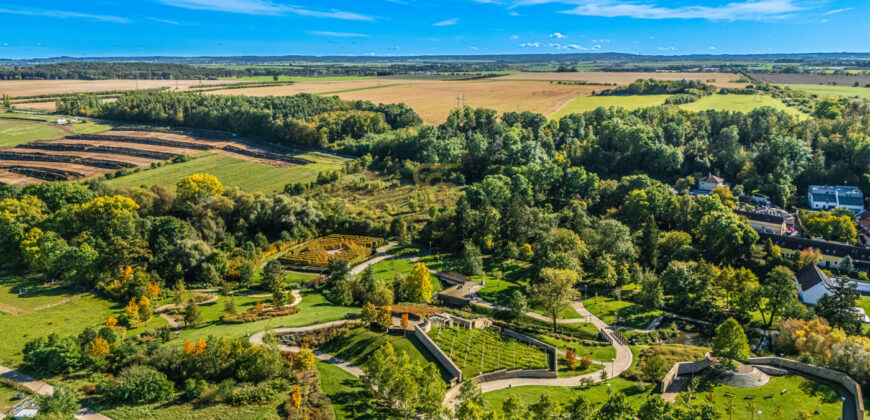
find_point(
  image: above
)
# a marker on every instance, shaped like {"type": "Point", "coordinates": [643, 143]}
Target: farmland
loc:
{"type": "Point", "coordinates": [624, 78]}
{"type": "Point", "coordinates": [814, 79]}
{"type": "Point", "coordinates": [589, 103]}
{"type": "Point", "coordinates": [44, 87]}
{"type": "Point", "coordinates": [741, 103]}
{"type": "Point", "coordinates": [833, 91]}
{"type": "Point", "coordinates": [250, 176]}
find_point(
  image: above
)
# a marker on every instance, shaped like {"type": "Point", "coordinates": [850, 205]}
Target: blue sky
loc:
{"type": "Point", "coordinates": [39, 28]}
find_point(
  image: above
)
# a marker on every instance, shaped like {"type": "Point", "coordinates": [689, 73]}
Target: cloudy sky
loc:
{"type": "Point", "coordinates": [39, 28]}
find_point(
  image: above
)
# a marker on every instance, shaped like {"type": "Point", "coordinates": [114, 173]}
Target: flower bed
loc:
{"type": "Point", "coordinates": [254, 315]}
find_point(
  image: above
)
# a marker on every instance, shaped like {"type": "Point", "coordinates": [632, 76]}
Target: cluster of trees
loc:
{"type": "Point", "coordinates": [695, 88]}
{"type": "Point", "coordinates": [816, 342]}
{"type": "Point", "coordinates": [836, 225]}
{"type": "Point", "coordinates": [406, 386]}
{"type": "Point", "coordinates": [122, 241]}
{"type": "Point", "coordinates": [344, 288]}
{"type": "Point", "coordinates": [473, 406]}
{"type": "Point", "coordinates": [305, 119]}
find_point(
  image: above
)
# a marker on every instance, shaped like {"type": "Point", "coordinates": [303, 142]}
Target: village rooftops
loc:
{"type": "Point", "coordinates": [811, 275]}
{"type": "Point", "coordinates": [761, 217]}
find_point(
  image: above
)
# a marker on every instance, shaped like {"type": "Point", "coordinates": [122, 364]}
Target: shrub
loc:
{"type": "Point", "coordinates": [137, 384]}
{"type": "Point", "coordinates": [52, 354]}
{"type": "Point", "coordinates": [255, 394]}
{"type": "Point", "coordinates": [63, 402]}
{"type": "Point", "coordinates": [254, 315]}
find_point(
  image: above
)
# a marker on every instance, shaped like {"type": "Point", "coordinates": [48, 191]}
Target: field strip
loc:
{"type": "Point", "coordinates": [362, 88]}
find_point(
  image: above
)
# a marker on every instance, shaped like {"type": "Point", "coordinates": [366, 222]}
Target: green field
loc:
{"type": "Point", "coordinates": [802, 394]}
{"type": "Point", "coordinates": [7, 397]}
{"type": "Point", "coordinates": [250, 176]}
{"type": "Point", "coordinates": [590, 103]}
{"type": "Point", "coordinates": [483, 350]}
{"type": "Point", "coordinates": [629, 314]}
{"type": "Point", "coordinates": [387, 270]}
{"type": "Point", "coordinates": [348, 396]}
{"type": "Point", "coordinates": [18, 131]}
{"type": "Point", "coordinates": [741, 103]}
{"type": "Point", "coordinates": [832, 91]}
{"type": "Point", "coordinates": [360, 343]}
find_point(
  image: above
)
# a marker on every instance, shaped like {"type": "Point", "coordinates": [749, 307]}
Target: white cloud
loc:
{"type": "Point", "coordinates": [448, 22]}
{"type": "Point", "coordinates": [63, 14]}
{"type": "Point", "coordinates": [835, 11]}
{"type": "Point", "coordinates": [824, 21]}
{"type": "Point", "coordinates": [667, 48]}
{"type": "Point", "coordinates": [166, 21]}
{"type": "Point", "coordinates": [601, 41]}
{"type": "Point", "coordinates": [530, 44]}
{"type": "Point", "coordinates": [473, 48]}
{"type": "Point", "coordinates": [262, 7]}
{"type": "Point", "coordinates": [515, 36]}
{"type": "Point", "coordinates": [337, 34]}
{"type": "Point", "coordinates": [556, 35]}
{"type": "Point", "coordinates": [513, 13]}
{"type": "Point", "coordinates": [652, 9]}
{"type": "Point", "coordinates": [712, 48]}
{"type": "Point", "coordinates": [566, 46]}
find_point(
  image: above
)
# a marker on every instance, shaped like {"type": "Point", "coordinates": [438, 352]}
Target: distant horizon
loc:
{"type": "Point", "coordinates": [190, 28]}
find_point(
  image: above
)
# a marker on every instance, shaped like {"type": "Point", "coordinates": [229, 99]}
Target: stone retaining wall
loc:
{"type": "Point", "coordinates": [841, 378]}
{"type": "Point", "coordinates": [682, 369]}
{"type": "Point", "coordinates": [500, 374]}
{"type": "Point", "coordinates": [420, 331]}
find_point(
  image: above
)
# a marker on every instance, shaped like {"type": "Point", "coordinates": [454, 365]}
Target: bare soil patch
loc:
{"type": "Point", "coordinates": [624, 78]}
{"type": "Point", "coordinates": [12, 178]}
{"type": "Point", "coordinates": [814, 79]}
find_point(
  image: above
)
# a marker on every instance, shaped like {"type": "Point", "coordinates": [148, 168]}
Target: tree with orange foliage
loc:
{"type": "Point", "coordinates": [152, 290]}
{"type": "Point", "coordinates": [132, 309]}
{"type": "Point", "coordinates": [111, 322]}
{"type": "Point", "coordinates": [571, 358]}
{"type": "Point", "coordinates": [260, 307]}
{"type": "Point", "coordinates": [404, 323]}
{"type": "Point", "coordinates": [296, 397]}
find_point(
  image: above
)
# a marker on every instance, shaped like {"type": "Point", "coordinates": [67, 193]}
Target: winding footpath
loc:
{"type": "Point", "coordinates": [42, 388]}
{"type": "Point", "coordinates": [326, 357]}
{"type": "Point", "coordinates": [174, 324]}
{"type": "Point", "coordinates": [382, 255]}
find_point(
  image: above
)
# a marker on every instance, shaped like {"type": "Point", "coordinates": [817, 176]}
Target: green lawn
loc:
{"type": "Point", "coordinates": [360, 343]}
{"type": "Point", "coordinates": [742, 103]}
{"type": "Point", "coordinates": [826, 90]}
{"type": "Point", "coordinates": [387, 270]}
{"type": "Point", "coordinates": [565, 373]}
{"type": "Point", "coordinates": [348, 396]}
{"type": "Point", "coordinates": [631, 314]}
{"type": "Point", "coordinates": [595, 394]}
{"type": "Point", "coordinates": [7, 397]}
{"type": "Point", "coordinates": [484, 350]}
{"type": "Point", "coordinates": [24, 294]}
{"type": "Point", "coordinates": [270, 410]}
{"type": "Point", "coordinates": [67, 319]}
{"type": "Point", "coordinates": [590, 103]}
{"type": "Point", "coordinates": [802, 394]}
{"type": "Point", "coordinates": [18, 131]}
{"type": "Point", "coordinates": [598, 353]}
{"type": "Point", "coordinates": [250, 176]}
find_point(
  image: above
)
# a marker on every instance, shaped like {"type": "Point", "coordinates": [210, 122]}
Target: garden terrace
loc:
{"type": "Point", "coordinates": [45, 157]}
{"type": "Point", "coordinates": [484, 350]}
{"type": "Point", "coordinates": [316, 254]}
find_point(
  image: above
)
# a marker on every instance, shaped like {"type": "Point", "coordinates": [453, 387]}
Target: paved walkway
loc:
{"type": "Point", "coordinates": [42, 388]}
{"type": "Point", "coordinates": [161, 311]}
{"type": "Point", "coordinates": [382, 255]}
{"type": "Point", "coordinates": [326, 357]}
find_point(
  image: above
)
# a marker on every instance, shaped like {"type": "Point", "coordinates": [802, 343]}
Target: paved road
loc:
{"type": "Point", "coordinates": [42, 388]}
{"type": "Point", "coordinates": [328, 358]}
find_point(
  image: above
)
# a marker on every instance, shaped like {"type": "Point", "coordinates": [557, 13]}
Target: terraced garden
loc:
{"type": "Point", "coordinates": [483, 350]}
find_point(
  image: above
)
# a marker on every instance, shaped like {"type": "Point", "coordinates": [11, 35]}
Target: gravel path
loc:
{"type": "Point", "coordinates": [326, 357]}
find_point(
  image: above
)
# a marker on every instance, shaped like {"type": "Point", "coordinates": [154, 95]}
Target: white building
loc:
{"type": "Point", "coordinates": [710, 182]}
{"type": "Point", "coordinates": [823, 197]}
{"type": "Point", "coordinates": [812, 284]}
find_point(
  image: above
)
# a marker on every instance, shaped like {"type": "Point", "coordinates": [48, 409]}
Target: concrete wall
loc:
{"type": "Point", "coordinates": [552, 356]}
{"type": "Point", "coordinates": [500, 374]}
{"type": "Point", "coordinates": [682, 369]}
{"type": "Point", "coordinates": [442, 358]}
{"type": "Point", "coordinates": [472, 323]}
{"type": "Point", "coordinates": [841, 378]}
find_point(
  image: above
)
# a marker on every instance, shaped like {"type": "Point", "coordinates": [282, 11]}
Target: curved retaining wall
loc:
{"type": "Point", "coordinates": [420, 331]}
{"type": "Point", "coordinates": [500, 374]}
{"type": "Point", "coordinates": [836, 376]}
{"type": "Point", "coordinates": [682, 369]}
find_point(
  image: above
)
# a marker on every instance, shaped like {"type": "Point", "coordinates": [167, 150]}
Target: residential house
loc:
{"type": "Point", "coordinates": [710, 182]}
{"type": "Point", "coordinates": [832, 252]}
{"type": "Point", "coordinates": [762, 222]}
{"type": "Point", "coordinates": [812, 284]}
{"type": "Point", "coordinates": [823, 197]}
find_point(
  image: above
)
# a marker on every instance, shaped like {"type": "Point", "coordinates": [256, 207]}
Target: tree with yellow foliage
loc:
{"type": "Point", "coordinates": [526, 253]}
{"type": "Point", "coordinates": [144, 312]}
{"type": "Point", "coordinates": [303, 360]}
{"type": "Point", "coordinates": [98, 347]}
{"type": "Point", "coordinates": [384, 318]}
{"type": "Point", "coordinates": [197, 187]}
{"type": "Point", "coordinates": [152, 290]}
{"type": "Point", "coordinates": [132, 309]}
{"type": "Point", "coordinates": [418, 288]}
{"type": "Point", "coordinates": [296, 397]}
{"type": "Point", "coordinates": [111, 322]}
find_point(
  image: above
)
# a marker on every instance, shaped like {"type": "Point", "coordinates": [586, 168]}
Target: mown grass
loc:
{"type": "Point", "coordinates": [387, 270]}
{"type": "Point", "coordinates": [7, 397]}
{"type": "Point", "coordinates": [590, 103]}
{"type": "Point", "coordinates": [24, 294]}
{"type": "Point", "coordinates": [250, 176]}
{"type": "Point", "coordinates": [348, 396]}
{"type": "Point", "coordinates": [802, 394]}
{"type": "Point", "coordinates": [594, 394]}
{"type": "Point", "coordinates": [741, 103]}
{"type": "Point", "coordinates": [620, 312]}
{"type": "Point", "coordinates": [359, 344]}
{"type": "Point", "coordinates": [18, 131]}
{"type": "Point", "coordinates": [483, 350]}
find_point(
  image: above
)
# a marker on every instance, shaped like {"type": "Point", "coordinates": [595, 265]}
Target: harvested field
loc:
{"type": "Point", "coordinates": [434, 100]}
{"type": "Point", "coordinates": [44, 87]}
{"type": "Point", "coordinates": [814, 79]}
{"type": "Point", "coordinates": [314, 87]}
{"type": "Point", "coordinates": [72, 168]}
{"type": "Point", "coordinates": [624, 78]}
{"type": "Point", "coordinates": [135, 161]}
{"type": "Point", "coordinates": [11, 178]}
{"type": "Point", "coordinates": [38, 106]}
